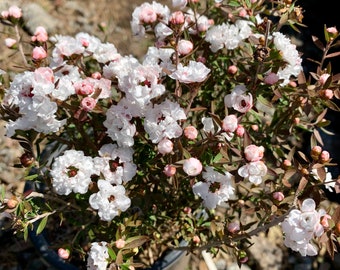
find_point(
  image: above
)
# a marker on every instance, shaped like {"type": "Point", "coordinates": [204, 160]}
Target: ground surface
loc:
{"type": "Point", "coordinates": [69, 17]}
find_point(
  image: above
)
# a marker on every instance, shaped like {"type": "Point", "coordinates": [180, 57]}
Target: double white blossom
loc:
{"type": "Point", "coordinates": [301, 226]}
{"type": "Point", "coordinates": [216, 189]}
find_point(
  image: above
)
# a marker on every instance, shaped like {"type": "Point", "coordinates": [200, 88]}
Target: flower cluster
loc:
{"type": "Point", "coordinates": [211, 117]}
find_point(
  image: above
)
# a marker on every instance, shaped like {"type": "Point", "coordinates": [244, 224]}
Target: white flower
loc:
{"type": "Point", "coordinates": [290, 55]}
{"type": "Point", "coordinates": [253, 171]}
{"type": "Point", "coordinates": [192, 166]}
{"type": "Point", "coordinates": [216, 189]}
{"type": "Point", "coordinates": [161, 121]}
{"type": "Point", "coordinates": [329, 184]}
{"type": "Point", "coordinates": [300, 226]}
{"type": "Point", "coordinates": [238, 100]}
{"type": "Point", "coordinates": [72, 172]}
{"type": "Point", "coordinates": [228, 35]}
{"type": "Point", "coordinates": [115, 163]}
{"type": "Point", "coordinates": [109, 200]}
{"type": "Point", "coordinates": [98, 256]}
{"type": "Point", "coordinates": [194, 72]}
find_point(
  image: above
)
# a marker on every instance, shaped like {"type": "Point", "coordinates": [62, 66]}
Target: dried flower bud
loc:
{"type": "Point", "coordinates": [304, 171]}
{"type": "Point", "coordinates": [26, 159]}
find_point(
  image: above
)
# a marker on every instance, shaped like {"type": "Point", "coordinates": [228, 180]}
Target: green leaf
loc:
{"type": "Point", "coordinates": [112, 254]}
{"type": "Point", "coordinates": [42, 225]}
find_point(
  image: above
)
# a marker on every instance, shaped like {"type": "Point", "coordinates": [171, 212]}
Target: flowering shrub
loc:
{"type": "Point", "coordinates": [200, 141]}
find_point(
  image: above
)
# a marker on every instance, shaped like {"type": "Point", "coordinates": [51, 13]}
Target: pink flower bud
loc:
{"type": "Point", "coordinates": [229, 123]}
{"type": "Point", "coordinates": [201, 59]}
{"type": "Point", "coordinates": [196, 239]}
{"type": "Point", "coordinates": [242, 13]}
{"type": "Point", "coordinates": [39, 53]}
{"type": "Point", "coordinates": [278, 196]}
{"type": "Point", "coordinates": [240, 131]}
{"type": "Point", "coordinates": [292, 84]}
{"type": "Point", "coordinates": [324, 221]}
{"type": "Point", "coordinates": [316, 152]}
{"type": "Point", "coordinates": [88, 104]}
{"type": "Point", "coordinates": [286, 164]}
{"type": "Point", "coordinates": [63, 253]}
{"type": "Point", "coordinates": [324, 156]}
{"type": "Point", "coordinates": [184, 47]}
{"type": "Point", "coordinates": [190, 132]}
{"type": "Point", "coordinates": [96, 75]}
{"type": "Point", "coordinates": [326, 93]}
{"type": "Point", "coordinates": [177, 18]}
{"type": "Point", "coordinates": [253, 153]}
{"type": "Point", "coordinates": [233, 227]}
{"type": "Point", "coordinates": [40, 34]}
{"type": "Point", "coordinates": [120, 243]}
{"type": "Point", "coordinates": [232, 69]}
{"type": "Point", "coordinates": [165, 146]}
{"type": "Point", "coordinates": [192, 166]}
{"type": "Point", "coordinates": [255, 127]}
{"type": "Point", "coordinates": [271, 78]}
{"type": "Point", "coordinates": [187, 210]}
{"type": "Point", "coordinates": [169, 170]}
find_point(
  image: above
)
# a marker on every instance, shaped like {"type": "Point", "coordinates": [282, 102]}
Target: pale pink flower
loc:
{"type": "Point", "coordinates": [44, 75]}
{"type": "Point", "coordinates": [177, 18]}
{"type": "Point", "coordinates": [84, 87]}
{"type": "Point", "coordinates": [192, 166]}
{"type": "Point", "coordinates": [40, 34]}
{"type": "Point", "coordinates": [165, 146]}
{"type": "Point", "coordinates": [184, 47]}
{"type": "Point", "coordinates": [301, 226]}
{"type": "Point", "coordinates": [253, 153]}
{"type": "Point", "coordinates": [169, 170]}
{"type": "Point", "coordinates": [194, 72]}
{"type": "Point", "coordinates": [190, 132]}
{"type": "Point", "coordinates": [10, 42]}
{"type": "Point", "coordinates": [230, 123]}
{"type": "Point", "coordinates": [15, 12]}
{"type": "Point", "coordinates": [39, 53]}
{"type": "Point", "coordinates": [88, 104]}
{"type": "Point", "coordinates": [253, 171]}
{"type": "Point", "coordinates": [271, 78]}
{"type": "Point", "coordinates": [239, 100]}
{"type": "Point", "coordinates": [147, 14]}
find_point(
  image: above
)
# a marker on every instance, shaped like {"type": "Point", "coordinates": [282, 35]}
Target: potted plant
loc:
{"type": "Point", "coordinates": [199, 142]}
